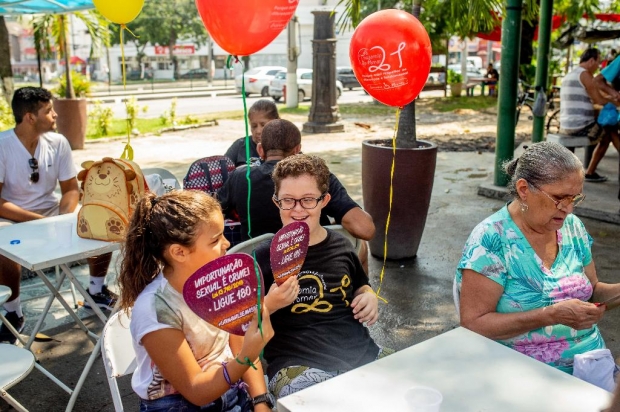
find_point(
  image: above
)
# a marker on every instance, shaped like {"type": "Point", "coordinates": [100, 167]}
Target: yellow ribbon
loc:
{"type": "Point", "coordinates": [128, 150]}
{"type": "Point", "coordinates": [389, 216]}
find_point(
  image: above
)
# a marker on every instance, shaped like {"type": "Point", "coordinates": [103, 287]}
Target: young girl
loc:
{"type": "Point", "coordinates": [261, 112]}
{"type": "Point", "coordinates": [321, 334]}
{"type": "Point", "coordinates": [182, 360]}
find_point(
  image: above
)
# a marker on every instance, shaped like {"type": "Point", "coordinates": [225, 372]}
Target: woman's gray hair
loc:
{"type": "Point", "coordinates": [541, 164]}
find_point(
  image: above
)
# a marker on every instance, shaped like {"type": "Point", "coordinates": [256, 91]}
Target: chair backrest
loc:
{"type": "Point", "coordinates": [16, 363]}
{"type": "Point", "coordinates": [357, 243]}
{"type": "Point", "coordinates": [117, 353]}
{"type": "Point", "coordinates": [457, 299]}
{"type": "Point", "coordinates": [249, 245]}
{"type": "Point", "coordinates": [165, 174]}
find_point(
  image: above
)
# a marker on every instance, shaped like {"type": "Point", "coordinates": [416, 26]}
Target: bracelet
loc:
{"type": "Point", "coordinates": [226, 375]}
{"type": "Point", "coordinates": [370, 291]}
{"type": "Point", "coordinates": [240, 384]}
{"type": "Point", "coordinates": [246, 361]}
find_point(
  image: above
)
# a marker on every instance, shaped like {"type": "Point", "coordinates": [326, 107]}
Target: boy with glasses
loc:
{"type": "Point", "coordinates": [33, 159]}
{"type": "Point", "coordinates": [322, 333]}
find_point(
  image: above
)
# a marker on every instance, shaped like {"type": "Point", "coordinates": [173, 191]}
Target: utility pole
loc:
{"type": "Point", "coordinates": [291, 65]}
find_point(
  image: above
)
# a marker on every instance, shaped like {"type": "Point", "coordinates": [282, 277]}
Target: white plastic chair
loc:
{"type": "Point", "coordinates": [249, 245]}
{"type": "Point", "coordinates": [16, 363]}
{"type": "Point", "coordinates": [119, 358]}
{"type": "Point", "coordinates": [165, 175]}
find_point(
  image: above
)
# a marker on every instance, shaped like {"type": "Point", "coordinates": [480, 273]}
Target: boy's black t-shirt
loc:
{"type": "Point", "coordinates": [236, 152]}
{"type": "Point", "coordinates": [318, 330]}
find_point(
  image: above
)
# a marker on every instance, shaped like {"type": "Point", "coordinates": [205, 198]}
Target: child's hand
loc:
{"type": "Point", "coordinates": [254, 341]}
{"type": "Point", "coordinates": [281, 296]}
{"type": "Point", "coordinates": [365, 307]}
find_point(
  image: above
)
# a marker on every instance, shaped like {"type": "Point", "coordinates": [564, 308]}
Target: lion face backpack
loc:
{"type": "Point", "coordinates": [111, 189]}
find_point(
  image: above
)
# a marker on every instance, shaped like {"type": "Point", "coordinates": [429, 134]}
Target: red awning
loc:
{"type": "Point", "coordinates": [496, 34]}
{"type": "Point", "coordinates": [73, 60]}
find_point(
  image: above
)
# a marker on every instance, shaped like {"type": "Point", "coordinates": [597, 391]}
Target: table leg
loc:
{"type": "Point", "coordinates": [57, 295]}
{"type": "Point", "coordinates": [86, 295]}
{"type": "Point", "coordinates": [87, 368]}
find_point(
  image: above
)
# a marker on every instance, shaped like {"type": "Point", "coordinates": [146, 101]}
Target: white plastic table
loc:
{"type": "Point", "coordinates": [473, 373]}
{"type": "Point", "coordinates": [34, 246]}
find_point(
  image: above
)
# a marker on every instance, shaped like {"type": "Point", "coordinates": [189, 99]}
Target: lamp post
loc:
{"type": "Point", "coordinates": [324, 115]}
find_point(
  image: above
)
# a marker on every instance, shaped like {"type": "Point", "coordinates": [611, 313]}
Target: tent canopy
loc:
{"type": "Point", "coordinates": [43, 6]}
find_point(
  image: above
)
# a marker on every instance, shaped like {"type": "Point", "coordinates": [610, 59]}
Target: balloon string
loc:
{"type": "Point", "coordinates": [389, 216]}
{"type": "Point", "coordinates": [247, 177]}
{"type": "Point", "coordinates": [128, 150]}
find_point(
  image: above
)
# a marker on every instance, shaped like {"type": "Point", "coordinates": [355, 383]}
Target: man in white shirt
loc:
{"type": "Point", "coordinates": [33, 159]}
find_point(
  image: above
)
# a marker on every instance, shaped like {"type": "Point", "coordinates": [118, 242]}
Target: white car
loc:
{"type": "Point", "coordinates": [257, 80]}
{"type": "Point", "coordinates": [304, 85]}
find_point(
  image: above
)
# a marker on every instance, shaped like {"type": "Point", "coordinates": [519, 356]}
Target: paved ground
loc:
{"type": "Point", "coordinates": [419, 291]}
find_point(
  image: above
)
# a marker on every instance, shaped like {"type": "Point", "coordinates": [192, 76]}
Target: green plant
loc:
{"type": "Point", "coordinates": [81, 86]}
{"type": "Point", "coordinates": [102, 119]}
{"type": "Point", "coordinates": [6, 115]}
{"type": "Point", "coordinates": [132, 108]}
{"type": "Point", "coordinates": [454, 77]}
{"type": "Point", "coordinates": [170, 116]}
{"type": "Point", "coordinates": [189, 119]}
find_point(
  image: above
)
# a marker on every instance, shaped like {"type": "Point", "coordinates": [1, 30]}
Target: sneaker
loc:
{"type": "Point", "coordinates": [104, 299]}
{"type": "Point", "coordinates": [17, 322]}
{"type": "Point", "coordinates": [595, 178]}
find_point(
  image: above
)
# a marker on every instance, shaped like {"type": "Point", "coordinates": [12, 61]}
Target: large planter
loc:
{"type": "Point", "coordinates": [414, 173]}
{"type": "Point", "coordinates": [456, 89]}
{"type": "Point", "coordinates": [72, 120]}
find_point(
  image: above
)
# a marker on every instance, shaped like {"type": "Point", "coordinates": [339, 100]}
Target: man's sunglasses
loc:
{"type": "Point", "coordinates": [34, 165]}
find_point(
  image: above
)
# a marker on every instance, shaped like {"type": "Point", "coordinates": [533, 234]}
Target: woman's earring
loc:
{"type": "Point", "coordinates": [524, 207]}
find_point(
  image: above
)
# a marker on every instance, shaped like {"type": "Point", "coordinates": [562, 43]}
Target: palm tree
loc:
{"type": "Point", "coordinates": [52, 29]}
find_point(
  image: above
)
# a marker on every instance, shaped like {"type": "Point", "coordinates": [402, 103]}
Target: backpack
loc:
{"type": "Point", "coordinates": [208, 174]}
{"type": "Point", "coordinates": [110, 191]}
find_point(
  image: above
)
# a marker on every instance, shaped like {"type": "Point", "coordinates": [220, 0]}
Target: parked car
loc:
{"type": "Point", "coordinates": [304, 85]}
{"type": "Point", "coordinates": [195, 74]}
{"type": "Point", "coordinates": [472, 73]}
{"type": "Point", "coordinates": [257, 80]}
{"type": "Point", "coordinates": [347, 77]}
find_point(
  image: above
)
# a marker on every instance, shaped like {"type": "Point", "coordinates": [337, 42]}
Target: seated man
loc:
{"type": "Point", "coordinates": [32, 160]}
{"type": "Point", "coordinates": [492, 79]}
{"type": "Point", "coordinates": [280, 139]}
{"type": "Point", "coordinates": [577, 116]}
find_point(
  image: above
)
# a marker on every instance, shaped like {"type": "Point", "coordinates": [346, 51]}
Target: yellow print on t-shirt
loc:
{"type": "Point", "coordinates": [311, 293]}
{"type": "Point", "coordinates": [345, 282]}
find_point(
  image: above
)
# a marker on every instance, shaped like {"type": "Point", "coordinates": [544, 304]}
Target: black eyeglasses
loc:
{"type": "Point", "coordinates": [34, 165]}
{"type": "Point", "coordinates": [306, 202]}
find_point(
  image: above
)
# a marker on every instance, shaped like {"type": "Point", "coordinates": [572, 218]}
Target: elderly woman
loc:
{"type": "Point", "coordinates": [527, 278]}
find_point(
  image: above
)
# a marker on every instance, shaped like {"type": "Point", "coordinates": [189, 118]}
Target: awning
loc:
{"type": "Point", "coordinates": [43, 6]}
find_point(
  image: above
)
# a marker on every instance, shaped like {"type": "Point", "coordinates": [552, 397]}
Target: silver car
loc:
{"type": "Point", "coordinates": [257, 80]}
{"type": "Point", "coordinates": [304, 85]}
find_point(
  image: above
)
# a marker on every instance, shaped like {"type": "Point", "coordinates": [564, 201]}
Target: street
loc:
{"type": "Point", "coordinates": [213, 104]}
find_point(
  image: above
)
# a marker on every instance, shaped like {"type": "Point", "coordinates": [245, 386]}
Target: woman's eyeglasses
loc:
{"type": "Point", "coordinates": [306, 202]}
{"type": "Point", "coordinates": [564, 203]}
{"type": "Point", "coordinates": [34, 165]}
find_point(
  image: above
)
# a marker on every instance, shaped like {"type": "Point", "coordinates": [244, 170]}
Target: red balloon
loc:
{"type": "Point", "coordinates": [243, 27]}
{"type": "Point", "coordinates": [390, 53]}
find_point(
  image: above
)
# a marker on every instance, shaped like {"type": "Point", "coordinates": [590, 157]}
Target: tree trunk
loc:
{"type": "Point", "coordinates": [6, 72]}
{"type": "Point", "coordinates": [173, 58]}
{"type": "Point", "coordinates": [69, 92]}
{"type": "Point", "coordinates": [406, 134]}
